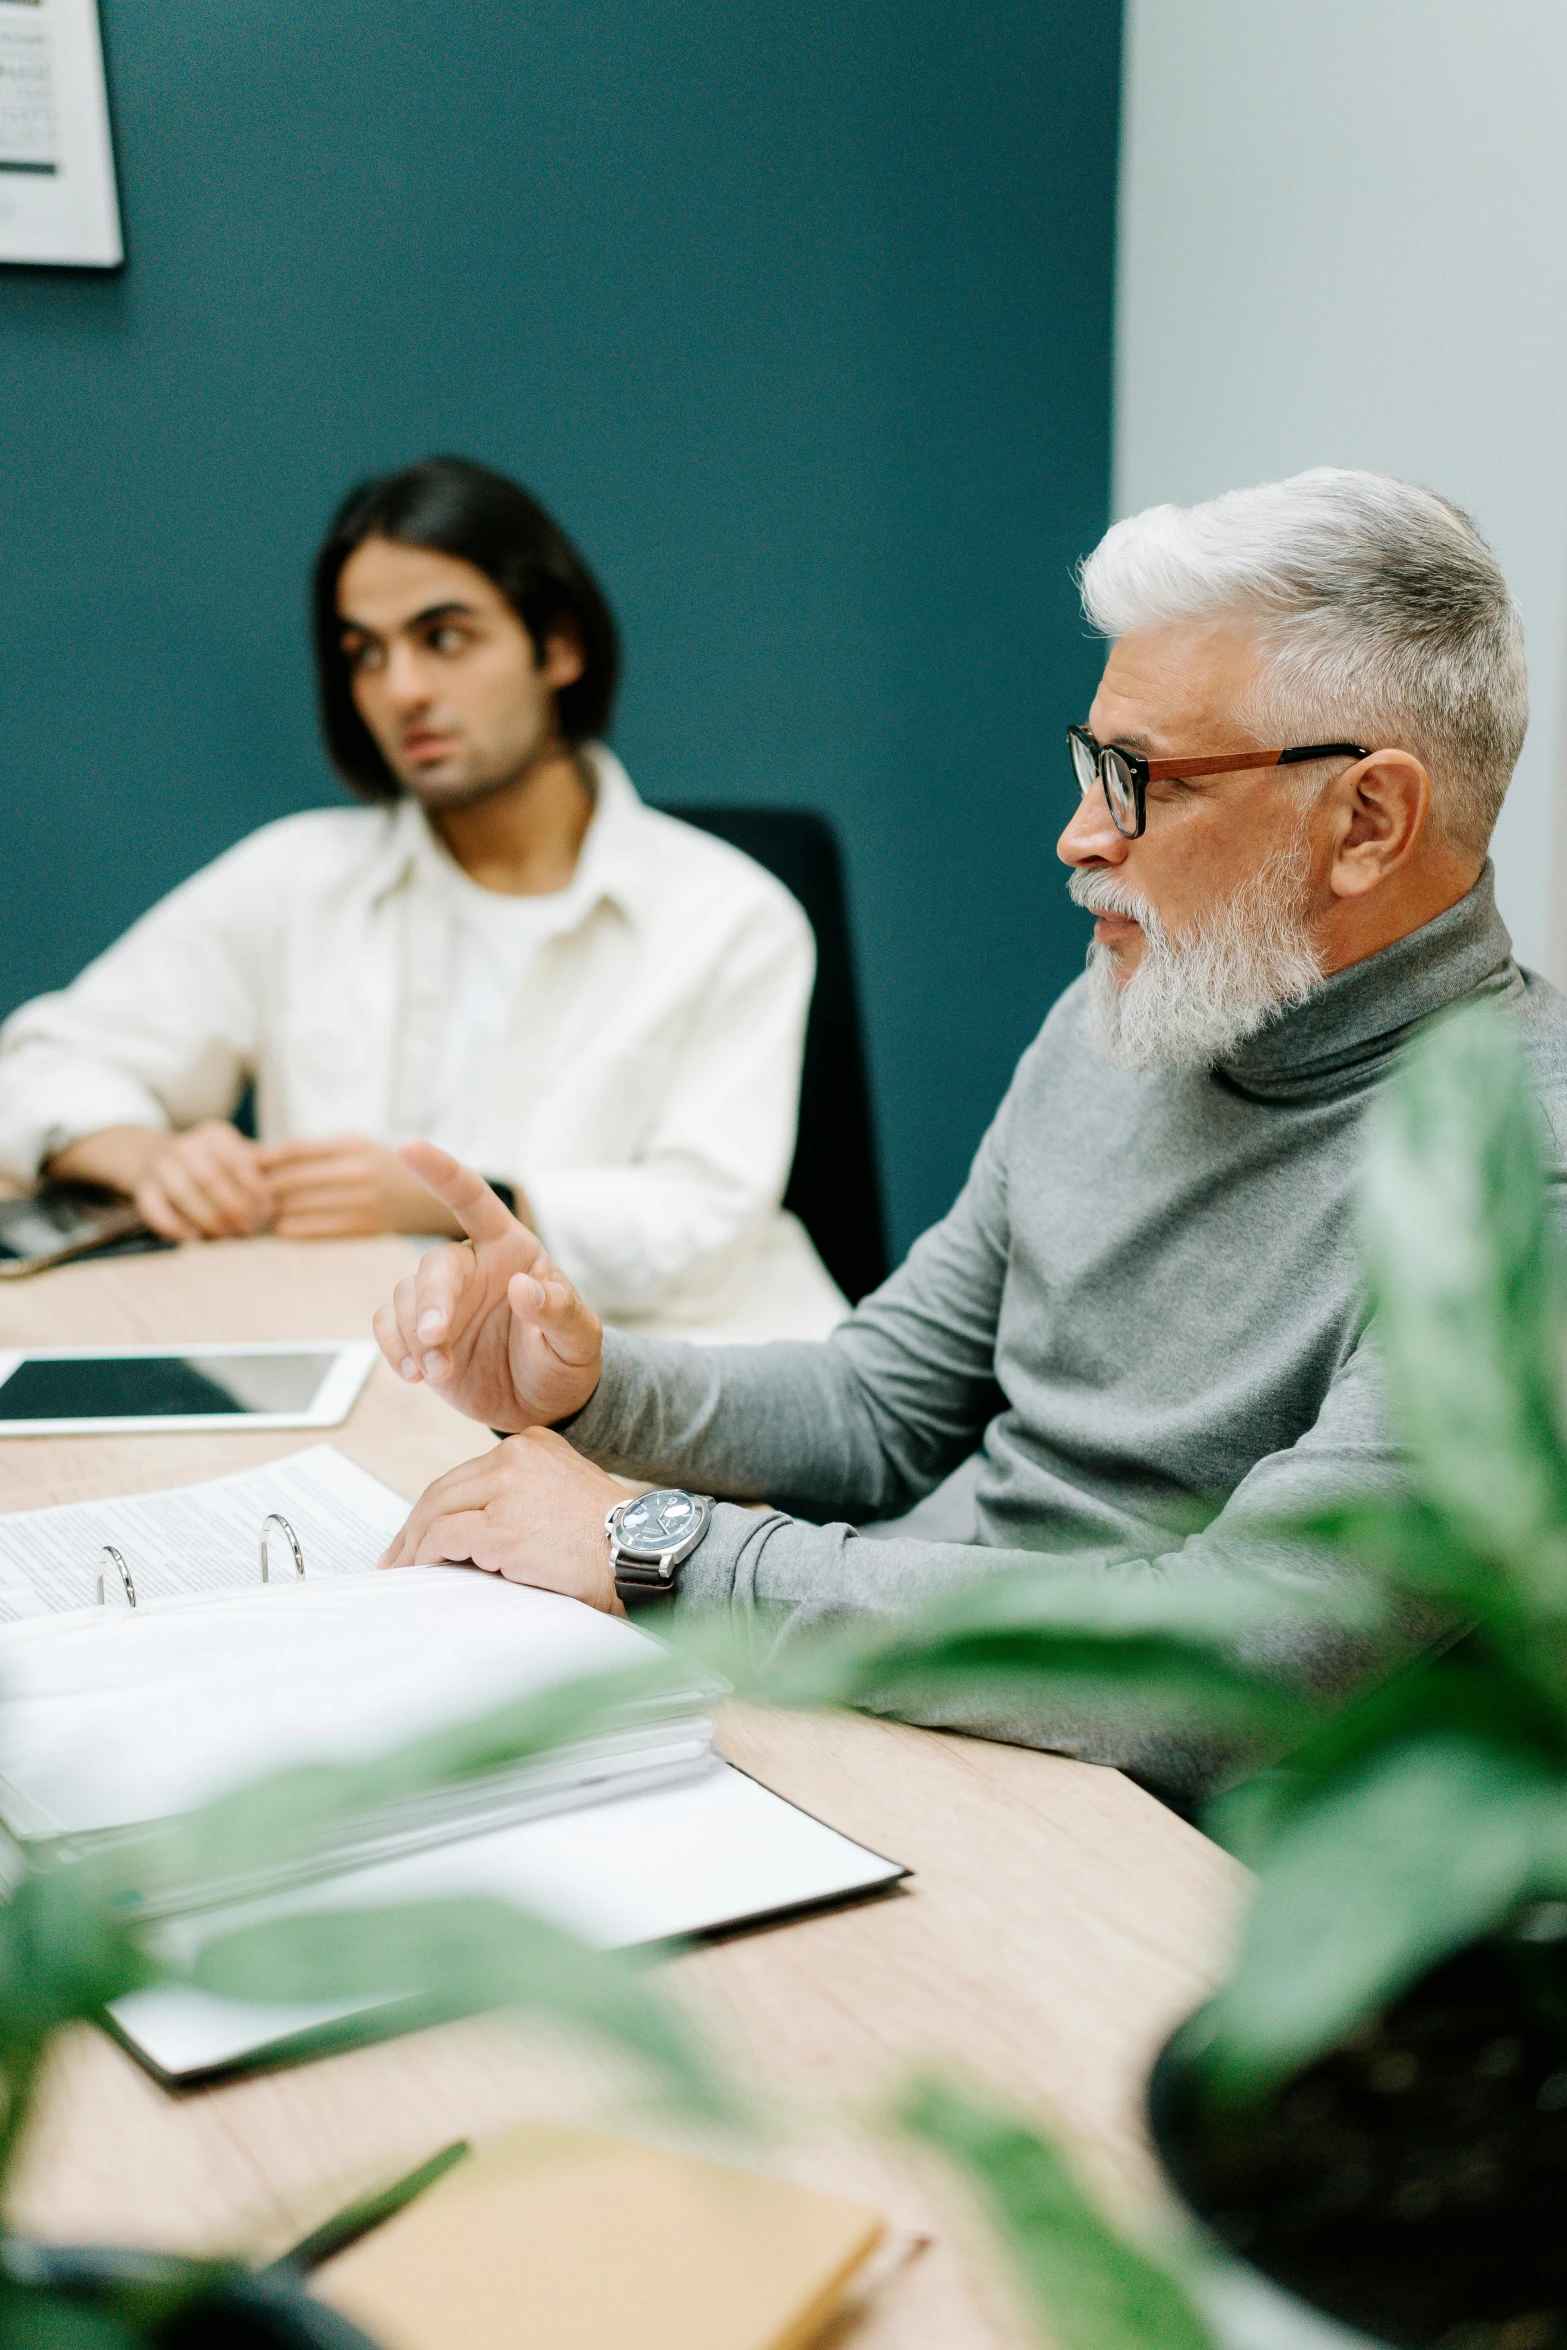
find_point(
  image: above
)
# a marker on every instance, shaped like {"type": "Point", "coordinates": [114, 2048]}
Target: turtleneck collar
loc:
{"type": "Point", "coordinates": [1345, 1034]}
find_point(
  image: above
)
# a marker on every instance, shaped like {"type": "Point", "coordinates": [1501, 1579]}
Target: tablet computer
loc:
{"type": "Point", "coordinates": [98, 1390]}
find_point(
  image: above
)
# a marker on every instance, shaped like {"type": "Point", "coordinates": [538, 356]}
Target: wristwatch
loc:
{"type": "Point", "coordinates": [649, 1535]}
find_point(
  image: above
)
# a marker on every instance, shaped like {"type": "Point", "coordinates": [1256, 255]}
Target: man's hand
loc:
{"type": "Point", "coordinates": [204, 1184]}
{"type": "Point", "coordinates": [531, 1510]}
{"type": "Point", "coordinates": [328, 1186]}
{"type": "Point", "coordinates": [492, 1323]}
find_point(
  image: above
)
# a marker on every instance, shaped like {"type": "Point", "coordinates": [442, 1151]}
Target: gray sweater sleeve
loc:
{"type": "Point", "coordinates": [860, 1426]}
{"type": "Point", "coordinates": [784, 1578]}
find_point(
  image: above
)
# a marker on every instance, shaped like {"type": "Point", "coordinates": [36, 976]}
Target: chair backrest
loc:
{"type": "Point", "coordinates": [833, 1187]}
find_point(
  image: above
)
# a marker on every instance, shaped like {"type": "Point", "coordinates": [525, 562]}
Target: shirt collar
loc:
{"type": "Point", "coordinates": [609, 868]}
{"type": "Point", "coordinates": [613, 863]}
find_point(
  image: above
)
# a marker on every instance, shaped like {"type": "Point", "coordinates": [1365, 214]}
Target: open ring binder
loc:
{"type": "Point", "coordinates": [116, 1559]}
{"type": "Point", "coordinates": [276, 1518]}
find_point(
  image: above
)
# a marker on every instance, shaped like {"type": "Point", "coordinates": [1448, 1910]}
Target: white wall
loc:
{"type": "Point", "coordinates": [1344, 241]}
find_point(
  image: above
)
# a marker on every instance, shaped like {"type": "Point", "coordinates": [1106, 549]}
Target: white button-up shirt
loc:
{"type": "Point", "coordinates": [643, 1093]}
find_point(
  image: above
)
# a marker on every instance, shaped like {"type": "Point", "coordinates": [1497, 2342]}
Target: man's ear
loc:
{"type": "Point", "coordinates": [1378, 810]}
{"type": "Point", "coordinates": [563, 659]}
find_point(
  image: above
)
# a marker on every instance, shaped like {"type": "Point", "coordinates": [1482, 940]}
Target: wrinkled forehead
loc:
{"type": "Point", "coordinates": [1186, 687]}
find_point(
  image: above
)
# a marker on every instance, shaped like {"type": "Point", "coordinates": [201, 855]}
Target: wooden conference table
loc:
{"type": "Point", "coordinates": [1058, 1924]}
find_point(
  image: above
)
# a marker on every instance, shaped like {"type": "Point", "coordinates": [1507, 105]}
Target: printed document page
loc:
{"type": "Point", "coordinates": [29, 135]}
{"type": "Point", "coordinates": [193, 1538]}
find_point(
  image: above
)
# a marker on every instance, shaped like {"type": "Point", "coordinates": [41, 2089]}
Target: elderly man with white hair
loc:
{"type": "Point", "coordinates": [1145, 1308]}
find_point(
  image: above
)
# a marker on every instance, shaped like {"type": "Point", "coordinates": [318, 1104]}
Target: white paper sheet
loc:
{"type": "Point", "coordinates": [205, 1537]}
{"type": "Point", "coordinates": [112, 1720]}
{"type": "Point", "coordinates": [29, 132]}
{"type": "Point", "coordinates": [57, 196]}
{"type": "Point", "coordinates": [717, 1851]}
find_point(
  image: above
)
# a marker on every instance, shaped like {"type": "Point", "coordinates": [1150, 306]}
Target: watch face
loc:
{"type": "Point", "coordinates": [657, 1521]}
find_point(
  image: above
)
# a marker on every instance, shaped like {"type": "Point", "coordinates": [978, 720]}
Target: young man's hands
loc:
{"type": "Point", "coordinates": [211, 1182]}
{"type": "Point", "coordinates": [204, 1184]}
{"type": "Point", "coordinates": [325, 1187]}
{"type": "Point", "coordinates": [532, 1510]}
{"type": "Point", "coordinates": [493, 1324]}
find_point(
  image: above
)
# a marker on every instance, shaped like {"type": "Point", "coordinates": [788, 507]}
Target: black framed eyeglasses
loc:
{"type": "Point", "coordinates": [1126, 775]}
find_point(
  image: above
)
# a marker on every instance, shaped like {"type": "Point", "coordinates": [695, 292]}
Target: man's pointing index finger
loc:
{"type": "Point", "coordinates": [476, 1208]}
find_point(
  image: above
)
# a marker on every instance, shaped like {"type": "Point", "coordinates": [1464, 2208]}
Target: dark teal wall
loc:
{"type": "Point", "coordinates": [799, 313]}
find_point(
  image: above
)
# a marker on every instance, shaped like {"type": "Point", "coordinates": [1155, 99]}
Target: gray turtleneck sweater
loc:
{"type": "Point", "coordinates": [1145, 1309]}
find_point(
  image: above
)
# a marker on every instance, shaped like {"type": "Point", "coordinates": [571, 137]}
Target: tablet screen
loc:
{"type": "Point", "coordinates": [115, 1387]}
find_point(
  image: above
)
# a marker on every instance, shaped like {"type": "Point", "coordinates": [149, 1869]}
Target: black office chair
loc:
{"type": "Point", "coordinates": [833, 1186]}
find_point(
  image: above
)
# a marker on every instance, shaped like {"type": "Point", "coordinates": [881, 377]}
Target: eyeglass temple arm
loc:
{"type": "Point", "coordinates": [1170, 770]}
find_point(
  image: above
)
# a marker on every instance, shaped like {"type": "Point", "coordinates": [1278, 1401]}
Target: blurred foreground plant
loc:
{"type": "Point", "coordinates": [1433, 1810]}
{"type": "Point", "coordinates": [73, 1939]}
{"type": "Point", "coordinates": [1090, 2286]}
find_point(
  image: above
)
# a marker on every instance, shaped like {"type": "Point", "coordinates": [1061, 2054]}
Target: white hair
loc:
{"type": "Point", "coordinates": [1383, 614]}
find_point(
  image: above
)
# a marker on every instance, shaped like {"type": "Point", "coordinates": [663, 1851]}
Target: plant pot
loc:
{"type": "Point", "coordinates": [263, 2309]}
{"type": "Point", "coordinates": [1410, 2188]}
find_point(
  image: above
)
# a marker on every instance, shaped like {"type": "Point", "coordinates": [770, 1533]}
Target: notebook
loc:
{"type": "Point", "coordinates": [564, 2237]}
{"type": "Point", "coordinates": [194, 1676]}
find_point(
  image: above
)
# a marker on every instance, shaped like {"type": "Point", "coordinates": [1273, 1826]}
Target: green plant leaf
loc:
{"type": "Point", "coordinates": [459, 1957]}
{"type": "Point", "coordinates": [1465, 1692]}
{"type": "Point", "coordinates": [1467, 1283]}
{"type": "Point", "coordinates": [1091, 2289]}
{"type": "Point", "coordinates": [33, 2318]}
{"type": "Point", "coordinates": [1067, 1637]}
{"type": "Point", "coordinates": [123, 2301]}
{"type": "Point", "coordinates": [275, 1820]}
{"type": "Point", "coordinates": [62, 1955]}
{"type": "Point", "coordinates": [1409, 1545]}
{"type": "Point", "coordinates": [62, 1958]}
{"type": "Point", "coordinates": [1397, 1862]}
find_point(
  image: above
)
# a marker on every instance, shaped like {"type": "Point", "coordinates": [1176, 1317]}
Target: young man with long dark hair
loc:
{"type": "Point", "coordinates": [504, 952]}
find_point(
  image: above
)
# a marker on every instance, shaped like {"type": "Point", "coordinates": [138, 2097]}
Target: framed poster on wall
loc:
{"type": "Point", "coordinates": [57, 200]}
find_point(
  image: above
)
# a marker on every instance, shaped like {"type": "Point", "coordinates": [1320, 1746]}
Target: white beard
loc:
{"type": "Point", "coordinates": [1192, 1001]}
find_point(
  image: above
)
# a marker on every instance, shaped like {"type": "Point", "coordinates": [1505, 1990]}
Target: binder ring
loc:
{"type": "Point", "coordinates": [276, 1518]}
{"type": "Point", "coordinates": [121, 1569]}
